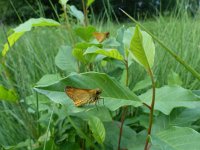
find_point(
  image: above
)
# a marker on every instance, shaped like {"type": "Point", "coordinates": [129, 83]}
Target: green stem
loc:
{"type": "Point", "coordinates": [85, 12]}
{"type": "Point", "coordinates": [124, 110]}
{"type": "Point", "coordinates": [151, 109]}
{"type": "Point", "coordinates": [181, 61]}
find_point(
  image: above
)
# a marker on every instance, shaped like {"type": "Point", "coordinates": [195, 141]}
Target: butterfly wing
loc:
{"type": "Point", "coordinates": [79, 96]}
{"type": "Point", "coordinates": [101, 36]}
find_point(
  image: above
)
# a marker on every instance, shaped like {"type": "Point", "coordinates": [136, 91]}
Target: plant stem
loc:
{"type": "Point", "coordinates": [151, 109]}
{"type": "Point", "coordinates": [85, 13]}
{"type": "Point", "coordinates": [124, 110]}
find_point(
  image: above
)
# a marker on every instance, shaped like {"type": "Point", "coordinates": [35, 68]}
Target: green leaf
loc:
{"type": "Point", "coordinates": [48, 79]}
{"type": "Point", "coordinates": [78, 54]}
{"type": "Point", "coordinates": [111, 42]}
{"type": "Point", "coordinates": [184, 117]}
{"type": "Point", "coordinates": [129, 140]}
{"type": "Point", "coordinates": [120, 38]}
{"type": "Point", "coordinates": [174, 79]}
{"type": "Point", "coordinates": [127, 36]}
{"type": "Point", "coordinates": [142, 84]}
{"type": "Point", "coordinates": [24, 27]}
{"type": "Point", "coordinates": [97, 128]}
{"type": "Point", "coordinates": [77, 13]}
{"type": "Point", "coordinates": [177, 138]}
{"type": "Point", "coordinates": [80, 48]}
{"type": "Point", "coordinates": [170, 97]}
{"type": "Point", "coordinates": [114, 94]}
{"type": "Point", "coordinates": [64, 59]}
{"type": "Point", "coordinates": [101, 112]}
{"type": "Point", "coordinates": [89, 2]}
{"type": "Point", "coordinates": [85, 33]}
{"type": "Point", "coordinates": [111, 53]}
{"type": "Point", "coordinates": [142, 48]}
{"type": "Point", "coordinates": [8, 95]}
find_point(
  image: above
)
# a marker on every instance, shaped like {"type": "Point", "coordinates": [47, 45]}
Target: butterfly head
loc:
{"type": "Point", "coordinates": [98, 91]}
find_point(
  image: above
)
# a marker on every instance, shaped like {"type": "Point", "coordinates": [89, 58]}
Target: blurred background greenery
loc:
{"type": "Point", "coordinates": [13, 11]}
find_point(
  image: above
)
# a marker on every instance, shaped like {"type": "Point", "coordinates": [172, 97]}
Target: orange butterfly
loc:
{"type": "Point", "coordinates": [83, 96]}
{"type": "Point", "coordinates": [101, 36]}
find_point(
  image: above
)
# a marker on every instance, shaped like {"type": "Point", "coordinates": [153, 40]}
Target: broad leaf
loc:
{"type": "Point", "coordinates": [85, 33]}
{"type": "Point", "coordinates": [79, 50]}
{"type": "Point", "coordinates": [169, 97]}
{"type": "Point", "coordinates": [77, 13]}
{"type": "Point", "coordinates": [111, 42]}
{"type": "Point", "coordinates": [24, 27]}
{"type": "Point", "coordinates": [114, 94]}
{"type": "Point", "coordinates": [184, 117]}
{"type": "Point", "coordinates": [97, 128]}
{"type": "Point", "coordinates": [111, 53]}
{"type": "Point", "coordinates": [129, 140]}
{"type": "Point", "coordinates": [142, 48]}
{"type": "Point", "coordinates": [48, 79]}
{"type": "Point", "coordinates": [64, 59]}
{"type": "Point", "coordinates": [101, 112]}
{"type": "Point", "coordinates": [127, 36]}
{"type": "Point", "coordinates": [8, 95]}
{"type": "Point", "coordinates": [176, 138]}
{"type": "Point", "coordinates": [142, 84]}
{"type": "Point", "coordinates": [119, 39]}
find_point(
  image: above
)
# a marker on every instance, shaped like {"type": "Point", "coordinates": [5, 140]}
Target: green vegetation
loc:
{"type": "Point", "coordinates": [36, 113]}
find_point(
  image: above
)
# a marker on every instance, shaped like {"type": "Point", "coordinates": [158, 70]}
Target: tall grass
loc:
{"type": "Point", "coordinates": [182, 36]}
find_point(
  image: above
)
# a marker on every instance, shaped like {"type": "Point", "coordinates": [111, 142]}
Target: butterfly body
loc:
{"type": "Point", "coordinates": [101, 36]}
{"type": "Point", "coordinates": [83, 96]}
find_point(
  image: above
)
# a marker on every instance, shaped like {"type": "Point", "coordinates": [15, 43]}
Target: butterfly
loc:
{"type": "Point", "coordinates": [101, 36]}
{"type": "Point", "coordinates": [83, 96]}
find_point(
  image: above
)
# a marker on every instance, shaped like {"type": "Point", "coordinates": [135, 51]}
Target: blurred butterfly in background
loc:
{"type": "Point", "coordinates": [83, 96]}
{"type": "Point", "coordinates": [101, 36]}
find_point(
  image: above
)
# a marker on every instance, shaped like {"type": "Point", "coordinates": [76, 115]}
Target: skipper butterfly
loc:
{"type": "Point", "coordinates": [101, 36]}
{"type": "Point", "coordinates": [83, 96]}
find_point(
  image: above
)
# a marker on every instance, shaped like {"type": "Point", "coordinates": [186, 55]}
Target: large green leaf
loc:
{"type": "Point", "coordinates": [142, 48]}
{"type": "Point", "coordinates": [79, 50]}
{"type": "Point", "coordinates": [184, 117]}
{"type": "Point", "coordinates": [127, 36]}
{"type": "Point", "coordinates": [8, 95]}
{"type": "Point", "coordinates": [85, 33]}
{"type": "Point", "coordinates": [24, 27]}
{"type": "Point", "coordinates": [169, 97]}
{"type": "Point", "coordinates": [64, 59]}
{"type": "Point", "coordinates": [77, 13]}
{"type": "Point", "coordinates": [111, 42]}
{"type": "Point", "coordinates": [120, 38]}
{"type": "Point", "coordinates": [97, 128]}
{"type": "Point", "coordinates": [111, 53]}
{"type": "Point", "coordinates": [48, 79]}
{"type": "Point", "coordinates": [142, 84]}
{"type": "Point", "coordinates": [114, 94]}
{"type": "Point", "coordinates": [129, 140]}
{"type": "Point", "coordinates": [176, 138]}
{"type": "Point", "coordinates": [101, 112]}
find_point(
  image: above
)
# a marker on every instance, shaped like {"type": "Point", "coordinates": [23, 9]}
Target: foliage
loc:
{"type": "Point", "coordinates": [86, 63]}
